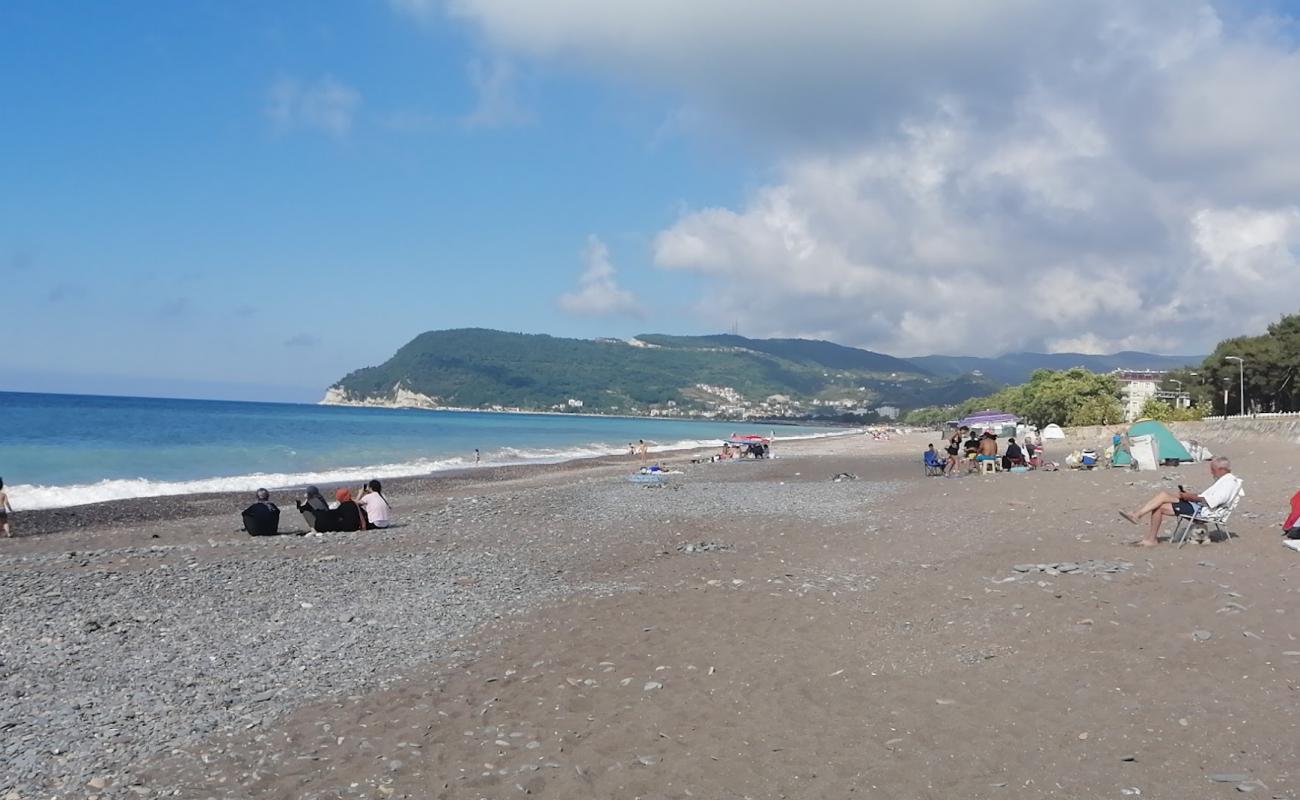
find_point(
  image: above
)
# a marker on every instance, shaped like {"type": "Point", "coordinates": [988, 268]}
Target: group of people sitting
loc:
{"type": "Point", "coordinates": [972, 448]}
{"type": "Point", "coordinates": [368, 511]}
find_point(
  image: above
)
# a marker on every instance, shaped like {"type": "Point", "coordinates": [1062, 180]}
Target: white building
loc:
{"type": "Point", "coordinates": [575, 403]}
{"type": "Point", "coordinates": [1136, 387]}
{"type": "Point", "coordinates": [888, 412]}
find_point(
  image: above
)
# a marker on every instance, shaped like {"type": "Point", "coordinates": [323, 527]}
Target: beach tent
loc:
{"type": "Point", "coordinates": [1166, 445]}
{"type": "Point", "coordinates": [1053, 431]}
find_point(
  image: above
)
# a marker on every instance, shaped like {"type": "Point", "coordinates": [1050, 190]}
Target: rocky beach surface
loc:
{"type": "Point", "coordinates": [751, 629]}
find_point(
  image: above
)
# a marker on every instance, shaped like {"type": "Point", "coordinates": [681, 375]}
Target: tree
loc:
{"type": "Point", "coordinates": [1164, 412]}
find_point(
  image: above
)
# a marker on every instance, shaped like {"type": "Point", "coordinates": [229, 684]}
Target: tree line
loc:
{"type": "Point", "coordinates": [1079, 397]}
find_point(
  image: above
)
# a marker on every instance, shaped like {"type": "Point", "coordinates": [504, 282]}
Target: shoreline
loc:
{"type": "Point", "coordinates": [189, 505]}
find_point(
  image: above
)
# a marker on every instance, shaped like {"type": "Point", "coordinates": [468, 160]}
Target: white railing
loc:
{"type": "Point", "coordinates": [1261, 415]}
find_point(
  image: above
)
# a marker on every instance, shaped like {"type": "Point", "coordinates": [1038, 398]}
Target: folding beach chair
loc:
{"type": "Point", "coordinates": [1218, 517]}
{"type": "Point", "coordinates": [933, 466]}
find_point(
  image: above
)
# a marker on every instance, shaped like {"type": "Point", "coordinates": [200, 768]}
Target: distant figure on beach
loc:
{"type": "Point", "coordinates": [378, 513]}
{"type": "Point", "coordinates": [349, 513]}
{"type": "Point", "coordinates": [988, 445]}
{"type": "Point", "coordinates": [316, 511]}
{"type": "Point", "coordinates": [1014, 456]}
{"type": "Point", "coordinates": [1226, 486]}
{"type": "Point", "coordinates": [476, 456]}
{"type": "Point", "coordinates": [262, 518]}
{"type": "Point", "coordinates": [5, 510]}
{"type": "Point", "coordinates": [643, 450]}
{"type": "Point", "coordinates": [954, 448]}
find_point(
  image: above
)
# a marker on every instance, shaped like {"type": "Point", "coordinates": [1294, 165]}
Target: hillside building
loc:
{"type": "Point", "coordinates": [1137, 386]}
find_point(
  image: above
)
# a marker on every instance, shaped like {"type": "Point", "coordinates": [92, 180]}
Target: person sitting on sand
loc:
{"type": "Point", "coordinates": [349, 513]}
{"type": "Point", "coordinates": [262, 518]}
{"type": "Point", "coordinates": [378, 513]}
{"type": "Point", "coordinates": [1170, 504]}
{"type": "Point", "coordinates": [316, 511]}
{"type": "Point", "coordinates": [1014, 456]}
{"type": "Point", "coordinates": [5, 510]}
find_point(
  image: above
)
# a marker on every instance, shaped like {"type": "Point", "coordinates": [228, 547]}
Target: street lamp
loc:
{"type": "Point", "coordinates": [1241, 363]}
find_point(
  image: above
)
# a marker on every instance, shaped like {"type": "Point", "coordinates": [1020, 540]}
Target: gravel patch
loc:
{"type": "Point", "coordinates": [113, 656]}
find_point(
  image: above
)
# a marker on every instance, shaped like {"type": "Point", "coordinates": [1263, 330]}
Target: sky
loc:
{"type": "Point", "coordinates": [249, 200]}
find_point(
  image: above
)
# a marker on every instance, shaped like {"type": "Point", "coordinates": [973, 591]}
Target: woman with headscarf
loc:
{"type": "Point", "coordinates": [349, 513]}
{"type": "Point", "coordinates": [317, 511]}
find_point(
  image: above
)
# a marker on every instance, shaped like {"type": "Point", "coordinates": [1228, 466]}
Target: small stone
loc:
{"type": "Point", "coordinates": [943, 701]}
{"type": "Point", "coordinates": [1083, 737]}
{"type": "Point", "coordinates": [394, 765]}
{"type": "Point", "coordinates": [1202, 635]}
{"type": "Point", "coordinates": [1229, 777]}
{"type": "Point", "coordinates": [650, 686]}
{"type": "Point", "coordinates": [533, 745]}
{"type": "Point", "coordinates": [1023, 567]}
{"type": "Point", "coordinates": [1245, 787]}
{"type": "Point", "coordinates": [648, 761]}
{"type": "Point", "coordinates": [97, 783]}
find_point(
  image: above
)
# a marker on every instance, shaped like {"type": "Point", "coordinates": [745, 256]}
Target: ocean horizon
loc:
{"type": "Point", "coordinates": [59, 450]}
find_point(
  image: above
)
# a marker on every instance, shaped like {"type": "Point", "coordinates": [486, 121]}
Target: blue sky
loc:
{"type": "Point", "coordinates": [157, 222]}
{"type": "Point", "coordinates": [241, 199]}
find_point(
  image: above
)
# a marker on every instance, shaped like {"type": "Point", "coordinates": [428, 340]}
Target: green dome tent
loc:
{"type": "Point", "coordinates": [1167, 445]}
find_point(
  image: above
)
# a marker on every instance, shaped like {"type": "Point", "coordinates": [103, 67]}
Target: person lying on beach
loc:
{"type": "Point", "coordinates": [372, 501]}
{"type": "Point", "coordinates": [1171, 504]}
{"type": "Point", "coordinates": [350, 517]}
{"type": "Point", "coordinates": [262, 518]}
{"type": "Point", "coordinates": [5, 510]}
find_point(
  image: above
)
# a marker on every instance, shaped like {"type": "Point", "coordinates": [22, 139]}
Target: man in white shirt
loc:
{"type": "Point", "coordinates": [1170, 504]}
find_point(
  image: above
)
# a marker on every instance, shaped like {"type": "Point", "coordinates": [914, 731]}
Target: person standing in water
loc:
{"type": "Point", "coordinates": [476, 456]}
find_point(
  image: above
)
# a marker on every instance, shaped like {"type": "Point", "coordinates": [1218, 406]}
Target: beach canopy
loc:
{"type": "Point", "coordinates": [989, 419]}
{"type": "Point", "coordinates": [749, 439]}
{"type": "Point", "coordinates": [1167, 445]}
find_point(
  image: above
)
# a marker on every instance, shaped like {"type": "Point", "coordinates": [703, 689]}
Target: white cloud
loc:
{"type": "Point", "coordinates": [497, 104]}
{"type": "Point", "coordinates": [598, 292]}
{"type": "Point", "coordinates": [968, 177]}
{"type": "Point", "coordinates": [325, 105]}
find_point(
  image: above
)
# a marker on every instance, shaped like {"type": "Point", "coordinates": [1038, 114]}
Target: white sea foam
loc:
{"type": "Point", "coordinates": [33, 497]}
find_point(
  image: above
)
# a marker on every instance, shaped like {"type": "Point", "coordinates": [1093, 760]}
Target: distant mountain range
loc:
{"type": "Point", "coordinates": [1015, 368]}
{"type": "Point", "coordinates": [686, 375]}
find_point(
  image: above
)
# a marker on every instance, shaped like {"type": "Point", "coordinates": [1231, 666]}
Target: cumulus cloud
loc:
{"type": "Point", "coordinates": [324, 105]}
{"type": "Point", "coordinates": [969, 177]}
{"type": "Point", "coordinates": [598, 292]}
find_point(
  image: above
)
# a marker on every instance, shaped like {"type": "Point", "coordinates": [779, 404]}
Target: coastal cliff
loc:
{"type": "Point", "coordinates": [399, 397]}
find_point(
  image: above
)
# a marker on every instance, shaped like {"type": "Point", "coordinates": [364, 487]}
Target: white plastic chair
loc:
{"type": "Point", "coordinates": [1218, 517]}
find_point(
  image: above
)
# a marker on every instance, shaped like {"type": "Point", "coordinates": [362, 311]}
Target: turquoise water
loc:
{"type": "Point", "coordinates": [60, 450]}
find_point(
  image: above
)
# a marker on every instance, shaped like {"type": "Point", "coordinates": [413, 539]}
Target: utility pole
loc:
{"type": "Point", "coordinates": [1241, 363]}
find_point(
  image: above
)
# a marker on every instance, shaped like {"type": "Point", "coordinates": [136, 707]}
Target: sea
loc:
{"type": "Point", "coordinates": [61, 450]}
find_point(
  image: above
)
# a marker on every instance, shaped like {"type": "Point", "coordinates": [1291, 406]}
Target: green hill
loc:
{"type": "Point", "coordinates": [477, 368]}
